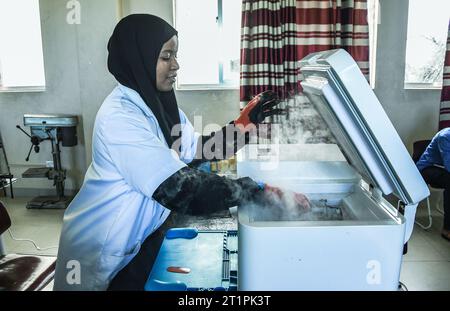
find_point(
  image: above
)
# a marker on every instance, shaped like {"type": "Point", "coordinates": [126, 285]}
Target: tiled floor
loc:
{"type": "Point", "coordinates": [425, 267]}
{"type": "Point", "coordinates": [427, 264]}
{"type": "Point", "coordinates": [42, 226]}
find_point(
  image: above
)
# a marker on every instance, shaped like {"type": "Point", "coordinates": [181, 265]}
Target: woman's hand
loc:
{"type": "Point", "coordinates": [259, 108]}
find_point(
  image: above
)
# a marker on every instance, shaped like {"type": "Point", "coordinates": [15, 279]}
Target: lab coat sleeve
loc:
{"type": "Point", "coordinates": [140, 157]}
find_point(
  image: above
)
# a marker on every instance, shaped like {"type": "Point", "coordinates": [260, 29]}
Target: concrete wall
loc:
{"type": "Point", "coordinates": [78, 81]}
{"type": "Point", "coordinates": [219, 107]}
{"type": "Point", "coordinates": [414, 113]}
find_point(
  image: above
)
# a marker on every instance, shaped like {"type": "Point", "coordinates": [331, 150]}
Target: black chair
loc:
{"type": "Point", "coordinates": [419, 148]}
{"type": "Point", "coordinates": [23, 272]}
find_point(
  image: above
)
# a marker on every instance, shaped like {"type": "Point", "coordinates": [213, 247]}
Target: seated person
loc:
{"type": "Point", "coordinates": [434, 165]}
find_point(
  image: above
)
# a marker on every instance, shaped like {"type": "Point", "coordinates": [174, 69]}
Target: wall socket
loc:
{"type": "Point", "coordinates": [48, 163]}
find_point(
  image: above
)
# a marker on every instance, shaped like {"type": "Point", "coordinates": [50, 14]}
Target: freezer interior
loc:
{"type": "Point", "coordinates": [353, 208]}
{"type": "Point", "coordinates": [336, 192]}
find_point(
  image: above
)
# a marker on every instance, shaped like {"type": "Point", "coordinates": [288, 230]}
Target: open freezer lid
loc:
{"type": "Point", "coordinates": [335, 85]}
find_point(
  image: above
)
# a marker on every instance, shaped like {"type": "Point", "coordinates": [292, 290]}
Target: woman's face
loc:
{"type": "Point", "coordinates": [167, 65]}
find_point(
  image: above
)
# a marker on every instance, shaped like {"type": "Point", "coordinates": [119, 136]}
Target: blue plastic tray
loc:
{"type": "Point", "coordinates": [211, 257]}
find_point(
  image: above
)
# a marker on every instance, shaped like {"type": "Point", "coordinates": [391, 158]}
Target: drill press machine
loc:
{"type": "Point", "coordinates": [58, 129]}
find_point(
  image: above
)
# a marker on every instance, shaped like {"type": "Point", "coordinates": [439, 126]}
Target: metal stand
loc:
{"type": "Point", "coordinates": [57, 129]}
{"type": "Point", "coordinates": [57, 174]}
{"type": "Point", "coordinates": [6, 178]}
{"type": "Point", "coordinates": [430, 219]}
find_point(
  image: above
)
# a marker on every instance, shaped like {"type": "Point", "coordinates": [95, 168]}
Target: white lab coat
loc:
{"type": "Point", "coordinates": [114, 212]}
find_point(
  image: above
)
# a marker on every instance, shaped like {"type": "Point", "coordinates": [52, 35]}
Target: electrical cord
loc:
{"type": "Point", "coordinates": [402, 287]}
{"type": "Point", "coordinates": [30, 241]}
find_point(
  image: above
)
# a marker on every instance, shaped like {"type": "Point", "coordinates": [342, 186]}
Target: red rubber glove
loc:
{"type": "Point", "coordinates": [298, 199]}
{"type": "Point", "coordinates": [259, 108]}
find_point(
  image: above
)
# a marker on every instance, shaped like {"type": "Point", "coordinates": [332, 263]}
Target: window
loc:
{"type": "Point", "coordinates": [373, 8]}
{"type": "Point", "coordinates": [209, 43]}
{"type": "Point", "coordinates": [426, 43]}
{"type": "Point", "coordinates": [21, 57]}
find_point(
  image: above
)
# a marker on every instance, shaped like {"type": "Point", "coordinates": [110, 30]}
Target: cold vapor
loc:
{"type": "Point", "coordinates": [301, 124]}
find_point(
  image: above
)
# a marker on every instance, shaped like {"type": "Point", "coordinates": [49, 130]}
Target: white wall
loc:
{"type": "Point", "coordinates": [78, 81]}
{"type": "Point", "coordinates": [414, 113]}
{"type": "Point", "coordinates": [219, 107]}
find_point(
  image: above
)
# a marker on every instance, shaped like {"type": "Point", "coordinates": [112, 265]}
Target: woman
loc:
{"type": "Point", "coordinates": [114, 226]}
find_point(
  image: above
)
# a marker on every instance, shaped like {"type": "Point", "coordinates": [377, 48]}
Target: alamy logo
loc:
{"type": "Point", "coordinates": [74, 14]}
{"type": "Point", "coordinates": [74, 275]}
{"type": "Point", "coordinates": [373, 277]}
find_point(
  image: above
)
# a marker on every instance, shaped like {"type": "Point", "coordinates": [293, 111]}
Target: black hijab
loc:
{"type": "Point", "coordinates": [134, 49]}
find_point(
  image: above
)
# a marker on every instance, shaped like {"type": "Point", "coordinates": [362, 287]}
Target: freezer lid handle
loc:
{"type": "Point", "coordinates": [410, 217]}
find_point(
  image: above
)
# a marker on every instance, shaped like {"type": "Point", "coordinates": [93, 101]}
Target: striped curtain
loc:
{"type": "Point", "coordinates": [333, 24]}
{"type": "Point", "coordinates": [444, 116]}
{"type": "Point", "coordinates": [276, 34]}
{"type": "Point", "coordinates": [269, 48]}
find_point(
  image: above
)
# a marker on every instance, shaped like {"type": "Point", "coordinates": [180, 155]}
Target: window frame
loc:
{"type": "Point", "coordinates": [373, 42]}
{"type": "Point", "coordinates": [22, 89]}
{"type": "Point", "coordinates": [422, 86]}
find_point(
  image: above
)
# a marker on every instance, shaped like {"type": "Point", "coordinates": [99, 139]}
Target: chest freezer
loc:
{"type": "Point", "coordinates": [351, 238]}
